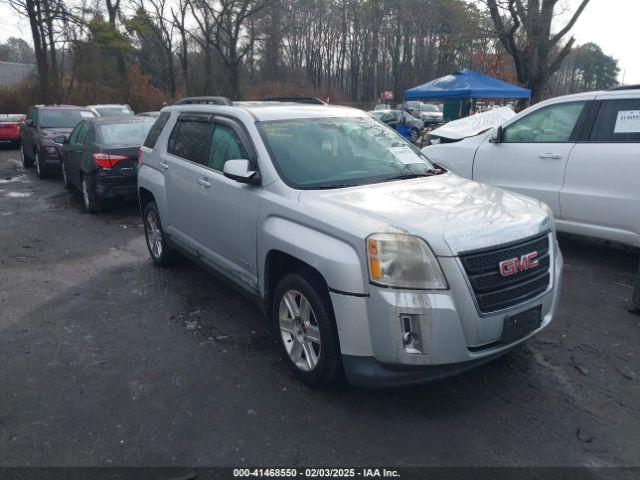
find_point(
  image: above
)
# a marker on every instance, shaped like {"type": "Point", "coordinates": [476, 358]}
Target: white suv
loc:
{"type": "Point", "coordinates": [580, 154]}
{"type": "Point", "coordinates": [366, 257]}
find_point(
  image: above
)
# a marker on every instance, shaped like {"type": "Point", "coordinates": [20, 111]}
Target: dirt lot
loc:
{"type": "Point", "coordinates": [106, 360]}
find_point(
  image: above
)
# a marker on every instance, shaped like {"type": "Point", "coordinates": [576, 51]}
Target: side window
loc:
{"type": "Point", "coordinates": [225, 145]}
{"type": "Point", "coordinates": [82, 134]}
{"type": "Point", "coordinates": [33, 115]}
{"type": "Point", "coordinates": [190, 139]}
{"type": "Point", "coordinates": [617, 121]}
{"type": "Point", "coordinates": [156, 130]}
{"type": "Point", "coordinates": [73, 138]}
{"type": "Point", "coordinates": [552, 124]}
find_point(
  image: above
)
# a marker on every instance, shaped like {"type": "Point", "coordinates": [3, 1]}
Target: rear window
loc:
{"type": "Point", "coordinates": [617, 121]}
{"type": "Point", "coordinates": [129, 133]}
{"type": "Point", "coordinates": [11, 118]}
{"type": "Point", "coordinates": [63, 118]}
{"type": "Point", "coordinates": [156, 130]}
{"type": "Point", "coordinates": [113, 111]}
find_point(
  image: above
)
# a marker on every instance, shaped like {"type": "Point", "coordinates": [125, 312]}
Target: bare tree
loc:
{"type": "Point", "coordinates": [230, 39]}
{"type": "Point", "coordinates": [524, 29]}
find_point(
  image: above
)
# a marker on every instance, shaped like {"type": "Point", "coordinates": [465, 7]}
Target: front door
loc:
{"type": "Point", "coordinates": [227, 211]}
{"type": "Point", "coordinates": [532, 155]}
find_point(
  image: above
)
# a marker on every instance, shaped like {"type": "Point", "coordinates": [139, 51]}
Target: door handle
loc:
{"type": "Point", "coordinates": [164, 165]}
{"type": "Point", "coordinates": [204, 182]}
{"type": "Point", "coordinates": [554, 156]}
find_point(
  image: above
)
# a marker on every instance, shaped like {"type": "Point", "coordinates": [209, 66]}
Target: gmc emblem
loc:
{"type": "Point", "coordinates": [516, 265]}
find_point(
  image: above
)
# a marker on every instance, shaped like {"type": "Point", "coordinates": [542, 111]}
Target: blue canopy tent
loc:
{"type": "Point", "coordinates": [466, 84]}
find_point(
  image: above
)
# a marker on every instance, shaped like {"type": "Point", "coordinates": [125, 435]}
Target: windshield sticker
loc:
{"type": "Point", "coordinates": [628, 121]}
{"type": "Point", "coordinates": [405, 155]}
{"type": "Point", "coordinates": [86, 114]}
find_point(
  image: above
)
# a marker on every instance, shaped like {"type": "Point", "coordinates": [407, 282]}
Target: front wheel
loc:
{"type": "Point", "coordinates": [40, 168]}
{"type": "Point", "coordinates": [306, 327]}
{"type": "Point", "coordinates": [26, 161]}
{"type": "Point", "coordinates": [161, 254]}
{"type": "Point", "coordinates": [65, 178]}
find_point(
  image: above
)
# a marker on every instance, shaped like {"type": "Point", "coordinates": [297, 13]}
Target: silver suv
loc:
{"type": "Point", "coordinates": [367, 258]}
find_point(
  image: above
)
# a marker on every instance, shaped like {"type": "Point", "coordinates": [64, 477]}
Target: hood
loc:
{"type": "Point", "coordinates": [451, 213]}
{"type": "Point", "coordinates": [474, 124]}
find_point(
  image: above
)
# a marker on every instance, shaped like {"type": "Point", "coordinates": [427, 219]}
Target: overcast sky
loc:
{"type": "Point", "coordinates": [611, 24]}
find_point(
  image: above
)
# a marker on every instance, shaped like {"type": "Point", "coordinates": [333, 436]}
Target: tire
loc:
{"type": "Point", "coordinates": [26, 161]}
{"type": "Point", "coordinates": [65, 178]}
{"type": "Point", "coordinates": [40, 171]}
{"type": "Point", "coordinates": [159, 250]}
{"type": "Point", "coordinates": [415, 134]}
{"type": "Point", "coordinates": [89, 199]}
{"type": "Point", "coordinates": [308, 341]}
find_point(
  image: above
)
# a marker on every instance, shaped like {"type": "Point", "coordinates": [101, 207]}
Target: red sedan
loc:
{"type": "Point", "coordinates": [10, 128]}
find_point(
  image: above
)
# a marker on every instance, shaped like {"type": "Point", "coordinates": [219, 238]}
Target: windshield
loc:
{"type": "Point", "coordinates": [340, 152]}
{"type": "Point", "coordinates": [130, 133]}
{"type": "Point", "coordinates": [63, 118]}
{"type": "Point", "coordinates": [10, 118]}
{"type": "Point", "coordinates": [113, 111]}
{"type": "Point", "coordinates": [429, 108]}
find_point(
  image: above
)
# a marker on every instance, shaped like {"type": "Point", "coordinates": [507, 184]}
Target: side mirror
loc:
{"type": "Point", "coordinates": [240, 171]}
{"type": "Point", "coordinates": [61, 139]}
{"type": "Point", "coordinates": [497, 135]}
{"type": "Point", "coordinates": [31, 123]}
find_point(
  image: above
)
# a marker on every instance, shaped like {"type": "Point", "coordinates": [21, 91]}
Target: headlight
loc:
{"type": "Point", "coordinates": [403, 261]}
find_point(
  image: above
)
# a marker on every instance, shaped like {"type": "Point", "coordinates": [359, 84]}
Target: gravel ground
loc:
{"type": "Point", "coordinates": [106, 360]}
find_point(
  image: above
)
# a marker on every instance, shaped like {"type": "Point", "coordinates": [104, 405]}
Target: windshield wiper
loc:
{"type": "Point", "coordinates": [406, 176]}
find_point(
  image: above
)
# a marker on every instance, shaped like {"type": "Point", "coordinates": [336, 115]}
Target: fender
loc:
{"type": "Point", "coordinates": [152, 180]}
{"type": "Point", "coordinates": [337, 261]}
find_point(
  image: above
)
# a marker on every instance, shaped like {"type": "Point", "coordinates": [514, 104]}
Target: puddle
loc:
{"type": "Point", "coordinates": [18, 194]}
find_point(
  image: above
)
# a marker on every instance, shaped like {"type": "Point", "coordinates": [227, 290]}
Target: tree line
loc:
{"type": "Point", "coordinates": [147, 52]}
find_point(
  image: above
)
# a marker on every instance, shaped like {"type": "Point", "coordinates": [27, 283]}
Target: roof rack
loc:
{"type": "Point", "coordinates": [626, 87]}
{"type": "Point", "coordinates": [310, 100]}
{"type": "Point", "coordinates": [204, 101]}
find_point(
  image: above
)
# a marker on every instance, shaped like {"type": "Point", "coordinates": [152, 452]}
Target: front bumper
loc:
{"type": "Point", "coordinates": [454, 335]}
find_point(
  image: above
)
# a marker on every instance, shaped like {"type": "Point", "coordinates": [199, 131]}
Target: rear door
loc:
{"type": "Point", "coordinates": [602, 183]}
{"type": "Point", "coordinates": [532, 156]}
{"type": "Point", "coordinates": [187, 149]}
{"type": "Point", "coordinates": [226, 211]}
{"type": "Point", "coordinates": [70, 155]}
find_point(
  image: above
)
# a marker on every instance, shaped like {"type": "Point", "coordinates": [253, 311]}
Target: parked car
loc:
{"type": "Point", "coordinates": [430, 114]}
{"type": "Point", "coordinates": [43, 125]}
{"type": "Point", "coordinates": [111, 110]}
{"type": "Point", "coordinates": [155, 114]}
{"type": "Point", "coordinates": [403, 122]}
{"type": "Point", "coordinates": [579, 154]}
{"type": "Point", "coordinates": [10, 128]}
{"type": "Point", "coordinates": [99, 158]}
{"type": "Point", "coordinates": [364, 255]}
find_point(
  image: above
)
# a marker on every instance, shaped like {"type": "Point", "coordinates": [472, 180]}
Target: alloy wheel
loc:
{"type": "Point", "coordinates": [154, 235]}
{"type": "Point", "coordinates": [299, 330]}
